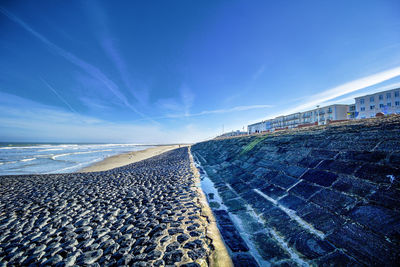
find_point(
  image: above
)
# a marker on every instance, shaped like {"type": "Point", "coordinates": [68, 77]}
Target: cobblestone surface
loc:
{"type": "Point", "coordinates": [319, 196]}
{"type": "Point", "coordinates": [143, 214]}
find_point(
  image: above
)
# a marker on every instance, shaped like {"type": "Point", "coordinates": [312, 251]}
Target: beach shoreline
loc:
{"type": "Point", "coordinates": [127, 158]}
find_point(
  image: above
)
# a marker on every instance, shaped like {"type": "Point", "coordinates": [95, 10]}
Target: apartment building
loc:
{"type": "Point", "coordinates": [351, 115]}
{"type": "Point", "coordinates": [323, 115]}
{"type": "Point", "coordinates": [320, 115]}
{"type": "Point", "coordinates": [257, 127]}
{"type": "Point", "coordinates": [386, 102]}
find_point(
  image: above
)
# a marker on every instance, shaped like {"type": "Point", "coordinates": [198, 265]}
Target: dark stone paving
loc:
{"type": "Point", "coordinates": [326, 196]}
{"type": "Point", "coordinates": [143, 214]}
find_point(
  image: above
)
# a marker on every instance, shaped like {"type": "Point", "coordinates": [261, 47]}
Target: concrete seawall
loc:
{"type": "Point", "coordinates": [320, 196]}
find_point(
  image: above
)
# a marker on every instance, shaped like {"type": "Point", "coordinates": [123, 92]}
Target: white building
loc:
{"type": "Point", "coordinates": [387, 102]}
{"type": "Point", "coordinates": [257, 127]}
{"type": "Point", "coordinates": [323, 114]}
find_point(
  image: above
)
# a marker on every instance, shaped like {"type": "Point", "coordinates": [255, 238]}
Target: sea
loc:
{"type": "Point", "coordinates": [21, 158]}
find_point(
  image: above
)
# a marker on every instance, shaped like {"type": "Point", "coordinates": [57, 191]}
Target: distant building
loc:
{"type": "Point", "coordinates": [324, 115]}
{"type": "Point", "coordinates": [321, 115]}
{"type": "Point", "coordinates": [386, 102]}
{"type": "Point", "coordinates": [233, 133]}
{"type": "Point", "coordinates": [257, 127]}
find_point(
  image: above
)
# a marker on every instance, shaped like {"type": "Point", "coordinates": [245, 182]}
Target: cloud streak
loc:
{"type": "Point", "coordinates": [215, 111]}
{"type": "Point", "coordinates": [59, 96]}
{"type": "Point", "coordinates": [22, 119]}
{"type": "Point", "coordinates": [85, 66]}
{"type": "Point", "coordinates": [350, 87]}
{"type": "Point", "coordinates": [325, 97]}
{"type": "Point", "coordinates": [108, 44]}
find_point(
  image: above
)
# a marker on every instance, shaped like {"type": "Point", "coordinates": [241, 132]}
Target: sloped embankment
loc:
{"type": "Point", "coordinates": [324, 195]}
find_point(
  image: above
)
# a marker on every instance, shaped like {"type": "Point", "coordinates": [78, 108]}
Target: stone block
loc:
{"type": "Point", "coordinates": [367, 156]}
{"type": "Point", "coordinates": [378, 173]}
{"type": "Point", "coordinates": [268, 247]}
{"type": "Point", "coordinates": [288, 229]}
{"type": "Point", "coordinates": [389, 145]}
{"type": "Point", "coordinates": [273, 191]}
{"type": "Point", "coordinates": [309, 162]}
{"type": "Point", "coordinates": [320, 219]}
{"type": "Point", "coordinates": [387, 197]}
{"type": "Point", "coordinates": [337, 258]}
{"type": "Point", "coordinates": [283, 181]}
{"type": "Point", "coordinates": [245, 177]}
{"type": "Point", "coordinates": [304, 190]}
{"type": "Point", "coordinates": [258, 183]}
{"type": "Point", "coordinates": [334, 201]}
{"type": "Point", "coordinates": [292, 202]}
{"type": "Point", "coordinates": [310, 245]}
{"type": "Point", "coordinates": [222, 217]}
{"type": "Point", "coordinates": [240, 187]}
{"type": "Point", "coordinates": [370, 249]}
{"type": "Point", "coordinates": [295, 171]}
{"type": "Point", "coordinates": [339, 166]}
{"type": "Point", "coordinates": [323, 154]}
{"type": "Point", "coordinates": [244, 260]}
{"type": "Point", "coordinates": [381, 220]}
{"type": "Point", "coordinates": [233, 239]}
{"type": "Point", "coordinates": [395, 159]}
{"type": "Point", "coordinates": [257, 202]}
{"type": "Point", "coordinates": [354, 186]}
{"type": "Point", "coordinates": [235, 205]}
{"type": "Point", "coordinates": [227, 194]}
{"type": "Point", "coordinates": [260, 172]}
{"type": "Point", "coordinates": [271, 164]}
{"type": "Point", "coordinates": [320, 177]}
{"type": "Point", "coordinates": [274, 217]}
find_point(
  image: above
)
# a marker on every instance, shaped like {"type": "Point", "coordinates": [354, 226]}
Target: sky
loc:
{"type": "Point", "coordinates": [155, 72]}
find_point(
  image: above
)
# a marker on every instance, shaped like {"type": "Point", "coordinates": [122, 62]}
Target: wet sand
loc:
{"type": "Point", "coordinates": [127, 158]}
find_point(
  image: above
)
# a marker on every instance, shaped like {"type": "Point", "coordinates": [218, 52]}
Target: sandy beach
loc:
{"type": "Point", "coordinates": [128, 158]}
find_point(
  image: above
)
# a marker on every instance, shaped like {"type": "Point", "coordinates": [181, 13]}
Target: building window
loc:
{"type": "Point", "coordinates": [380, 97]}
{"type": "Point", "coordinates": [388, 95]}
{"type": "Point", "coordinates": [362, 101]}
{"type": "Point", "coordinates": [372, 107]}
{"type": "Point", "coordinates": [396, 94]}
{"type": "Point", "coordinates": [389, 104]}
{"type": "Point", "coordinates": [397, 103]}
{"type": "Point", "coordinates": [371, 99]}
{"type": "Point", "coordinates": [362, 109]}
{"type": "Point", "coordinates": [381, 105]}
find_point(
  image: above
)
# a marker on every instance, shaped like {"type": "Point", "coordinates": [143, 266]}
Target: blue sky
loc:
{"type": "Point", "coordinates": [180, 71]}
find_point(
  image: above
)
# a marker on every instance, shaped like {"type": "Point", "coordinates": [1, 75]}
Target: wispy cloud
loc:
{"type": "Point", "coordinates": [351, 86]}
{"type": "Point", "coordinates": [325, 97]}
{"type": "Point", "coordinates": [215, 111]}
{"type": "Point", "coordinates": [85, 66]}
{"type": "Point", "coordinates": [59, 96]}
{"type": "Point", "coordinates": [22, 119]}
{"type": "Point", "coordinates": [229, 110]}
{"type": "Point", "coordinates": [259, 72]}
{"type": "Point", "coordinates": [187, 97]}
{"type": "Point", "coordinates": [108, 43]}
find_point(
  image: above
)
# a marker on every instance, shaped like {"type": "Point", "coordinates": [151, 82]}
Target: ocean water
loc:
{"type": "Point", "coordinates": [56, 158]}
